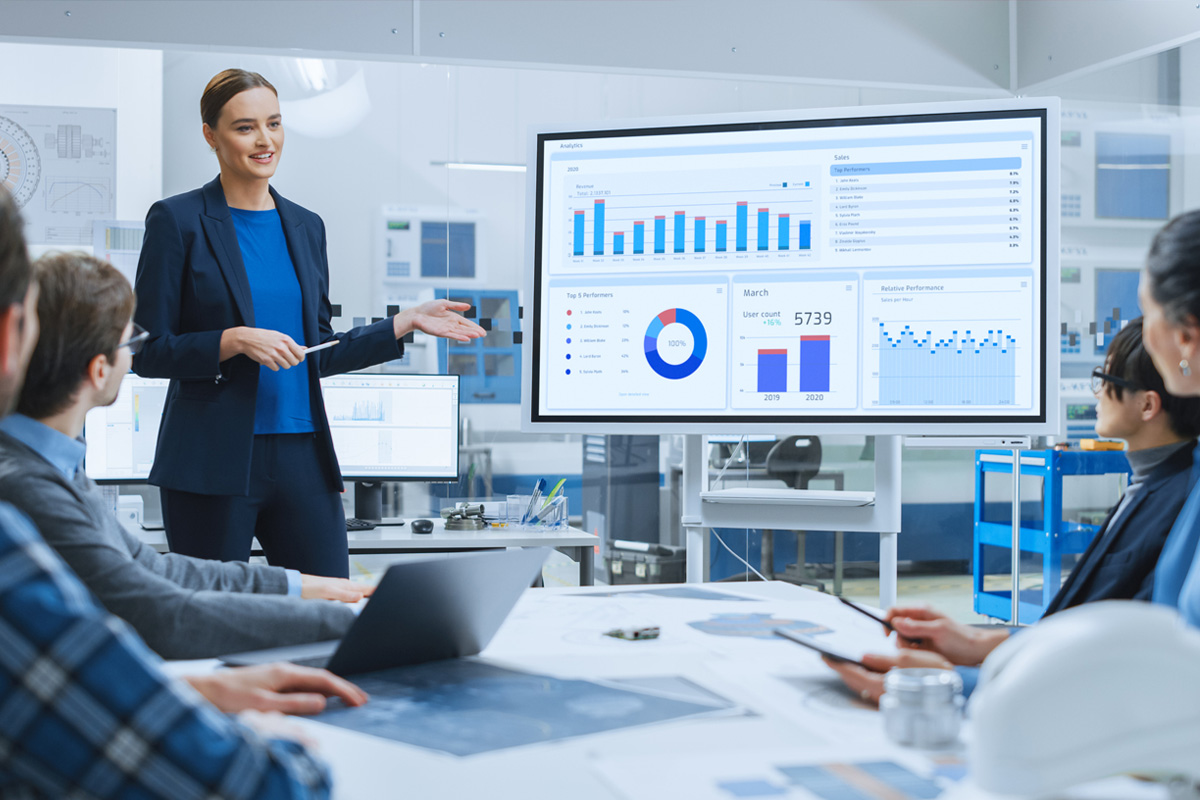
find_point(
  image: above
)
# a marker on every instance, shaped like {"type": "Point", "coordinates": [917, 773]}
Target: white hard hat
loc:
{"type": "Point", "coordinates": [1099, 690]}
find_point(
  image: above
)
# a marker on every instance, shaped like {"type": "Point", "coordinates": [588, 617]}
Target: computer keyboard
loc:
{"type": "Point", "coordinates": [356, 524]}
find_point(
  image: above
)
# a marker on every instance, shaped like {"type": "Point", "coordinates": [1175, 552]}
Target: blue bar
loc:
{"type": "Point", "coordinates": [660, 234]}
{"type": "Point", "coordinates": [698, 240]}
{"type": "Point", "coordinates": [721, 226]}
{"type": "Point", "coordinates": [741, 226]}
{"type": "Point", "coordinates": [679, 235]}
{"type": "Point", "coordinates": [772, 370]}
{"type": "Point", "coordinates": [910, 167]}
{"type": "Point", "coordinates": [814, 363]}
{"type": "Point", "coordinates": [579, 233]}
{"type": "Point", "coordinates": [784, 223]}
{"type": "Point", "coordinates": [639, 238]}
{"type": "Point", "coordinates": [618, 244]}
{"type": "Point", "coordinates": [803, 235]}
{"type": "Point", "coordinates": [598, 230]}
{"type": "Point", "coordinates": [764, 225]}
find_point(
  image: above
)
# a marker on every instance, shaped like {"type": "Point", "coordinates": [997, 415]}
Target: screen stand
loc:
{"type": "Point", "coordinates": [881, 515]}
{"type": "Point", "coordinates": [368, 500]}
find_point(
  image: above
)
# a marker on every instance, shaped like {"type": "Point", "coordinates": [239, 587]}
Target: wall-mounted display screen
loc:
{"type": "Point", "coordinates": [847, 270]}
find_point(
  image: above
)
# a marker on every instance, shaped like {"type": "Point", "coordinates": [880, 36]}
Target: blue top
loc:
{"type": "Point", "coordinates": [92, 713]}
{"type": "Point", "coordinates": [1177, 577]}
{"type": "Point", "coordinates": [282, 405]}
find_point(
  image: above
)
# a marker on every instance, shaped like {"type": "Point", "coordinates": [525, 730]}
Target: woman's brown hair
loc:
{"type": "Point", "coordinates": [223, 87]}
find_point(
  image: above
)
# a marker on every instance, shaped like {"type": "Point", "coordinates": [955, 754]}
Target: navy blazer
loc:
{"type": "Point", "coordinates": [192, 286]}
{"type": "Point", "coordinates": [1119, 563]}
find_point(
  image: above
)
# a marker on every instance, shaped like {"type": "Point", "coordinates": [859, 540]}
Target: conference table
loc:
{"type": "Point", "coordinates": [714, 708]}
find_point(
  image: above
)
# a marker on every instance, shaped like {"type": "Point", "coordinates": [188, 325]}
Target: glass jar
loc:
{"type": "Point", "coordinates": [922, 707]}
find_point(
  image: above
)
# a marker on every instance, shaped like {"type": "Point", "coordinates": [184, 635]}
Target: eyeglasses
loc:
{"type": "Point", "coordinates": [135, 342]}
{"type": "Point", "coordinates": [1099, 378]}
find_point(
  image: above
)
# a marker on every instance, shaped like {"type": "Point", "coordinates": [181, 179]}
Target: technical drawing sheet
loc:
{"type": "Point", "coordinates": [60, 164]}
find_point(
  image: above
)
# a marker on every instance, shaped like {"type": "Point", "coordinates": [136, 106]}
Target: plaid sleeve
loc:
{"type": "Point", "coordinates": [85, 712]}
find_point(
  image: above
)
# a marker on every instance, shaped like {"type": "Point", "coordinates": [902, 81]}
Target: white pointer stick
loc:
{"type": "Point", "coordinates": [315, 348]}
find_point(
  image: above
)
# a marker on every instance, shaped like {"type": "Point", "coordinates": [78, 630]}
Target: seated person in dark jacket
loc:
{"type": "Point", "coordinates": [1159, 430]}
{"type": "Point", "coordinates": [183, 607]}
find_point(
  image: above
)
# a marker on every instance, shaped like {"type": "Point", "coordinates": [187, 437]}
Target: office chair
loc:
{"type": "Point", "coordinates": [795, 460]}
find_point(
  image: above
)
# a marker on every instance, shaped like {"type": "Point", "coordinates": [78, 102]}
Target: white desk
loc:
{"type": "Point", "coordinates": [798, 712]}
{"type": "Point", "coordinates": [390, 539]}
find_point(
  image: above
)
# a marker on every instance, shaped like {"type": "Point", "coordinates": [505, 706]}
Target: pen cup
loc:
{"type": "Point", "coordinates": [515, 506]}
{"type": "Point", "coordinates": [552, 514]}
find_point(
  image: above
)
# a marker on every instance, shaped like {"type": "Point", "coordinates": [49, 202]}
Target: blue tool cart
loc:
{"type": "Point", "coordinates": [1053, 539]}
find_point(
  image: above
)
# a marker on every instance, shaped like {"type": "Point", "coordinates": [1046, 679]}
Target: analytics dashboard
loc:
{"type": "Point", "coordinates": [827, 270]}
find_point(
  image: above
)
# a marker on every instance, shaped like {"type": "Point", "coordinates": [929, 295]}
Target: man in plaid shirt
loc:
{"type": "Point", "coordinates": [85, 710]}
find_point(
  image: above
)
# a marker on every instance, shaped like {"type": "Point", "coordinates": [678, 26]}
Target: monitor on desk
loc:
{"type": "Point", "coordinates": [394, 427]}
{"type": "Point", "coordinates": [384, 427]}
{"type": "Point", "coordinates": [121, 437]}
{"type": "Point", "coordinates": [883, 270]}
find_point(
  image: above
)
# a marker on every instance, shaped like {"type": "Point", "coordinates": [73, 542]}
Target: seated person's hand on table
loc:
{"type": "Point", "coordinates": [922, 628]}
{"type": "Point", "coordinates": [868, 683]}
{"type": "Point", "coordinates": [316, 587]}
{"type": "Point", "coordinates": [288, 688]}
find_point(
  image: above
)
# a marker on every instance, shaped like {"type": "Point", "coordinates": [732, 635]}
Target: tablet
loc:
{"type": "Point", "coordinates": [813, 643]}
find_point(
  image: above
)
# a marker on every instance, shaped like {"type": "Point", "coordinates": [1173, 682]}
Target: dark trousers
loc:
{"type": "Point", "coordinates": [298, 521]}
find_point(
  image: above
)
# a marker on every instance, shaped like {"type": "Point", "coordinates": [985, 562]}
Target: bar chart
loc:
{"type": "Point", "coordinates": [706, 215]}
{"type": "Point", "coordinates": [813, 366]}
{"type": "Point", "coordinates": [794, 342]}
{"type": "Point", "coordinates": [782, 236]}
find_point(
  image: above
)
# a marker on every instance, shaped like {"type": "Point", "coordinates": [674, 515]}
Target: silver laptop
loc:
{"type": "Point", "coordinates": [421, 611]}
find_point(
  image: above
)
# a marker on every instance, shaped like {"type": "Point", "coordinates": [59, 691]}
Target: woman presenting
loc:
{"type": "Point", "coordinates": [232, 286]}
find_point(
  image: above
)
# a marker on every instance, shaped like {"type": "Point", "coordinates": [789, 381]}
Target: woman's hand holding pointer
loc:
{"type": "Point", "coordinates": [272, 349]}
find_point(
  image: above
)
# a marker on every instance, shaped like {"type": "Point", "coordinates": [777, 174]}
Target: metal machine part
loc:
{"type": "Point", "coordinates": [464, 517]}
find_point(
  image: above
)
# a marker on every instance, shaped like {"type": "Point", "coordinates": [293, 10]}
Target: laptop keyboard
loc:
{"type": "Point", "coordinates": [314, 661]}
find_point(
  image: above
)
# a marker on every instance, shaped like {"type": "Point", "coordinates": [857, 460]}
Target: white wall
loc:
{"type": "Point", "coordinates": [421, 113]}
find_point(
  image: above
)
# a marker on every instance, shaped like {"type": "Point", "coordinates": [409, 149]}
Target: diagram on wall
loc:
{"type": "Point", "coordinates": [60, 165]}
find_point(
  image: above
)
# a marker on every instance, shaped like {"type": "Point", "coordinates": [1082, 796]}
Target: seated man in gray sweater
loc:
{"type": "Point", "coordinates": [183, 607]}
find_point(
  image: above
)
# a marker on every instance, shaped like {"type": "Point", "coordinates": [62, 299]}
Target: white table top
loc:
{"type": "Point", "coordinates": [794, 710]}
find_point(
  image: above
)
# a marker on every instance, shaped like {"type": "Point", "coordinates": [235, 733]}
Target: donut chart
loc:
{"type": "Point", "coordinates": [690, 321]}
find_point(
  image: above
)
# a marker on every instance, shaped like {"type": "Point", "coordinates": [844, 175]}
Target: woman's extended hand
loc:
{"type": "Point", "coordinates": [438, 318]}
{"type": "Point", "coordinates": [272, 349]}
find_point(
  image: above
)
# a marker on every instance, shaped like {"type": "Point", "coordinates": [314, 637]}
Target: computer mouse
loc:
{"type": "Point", "coordinates": [422, 526]}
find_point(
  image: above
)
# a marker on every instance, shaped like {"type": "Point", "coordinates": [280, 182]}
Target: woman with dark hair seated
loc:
{"type": "Point", "coordinates": [1159, 430]}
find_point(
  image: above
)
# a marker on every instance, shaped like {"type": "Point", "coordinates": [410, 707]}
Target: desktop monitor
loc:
{"type": "Point", "coordinates": [122, 437]}
{"type": "Point", "coordinates": [394, 427]}
{"type": "Point", "coordinates": [872, 270]}
{"type": "Point", "coordinates": [384, 427]}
